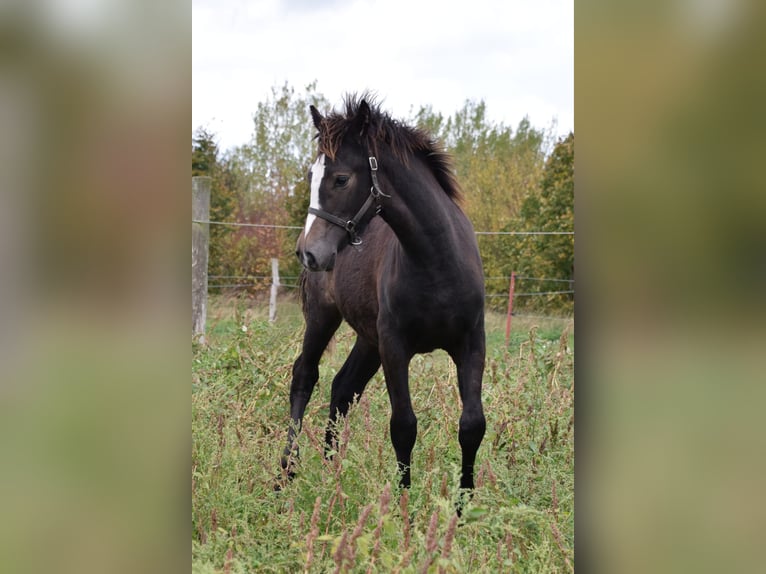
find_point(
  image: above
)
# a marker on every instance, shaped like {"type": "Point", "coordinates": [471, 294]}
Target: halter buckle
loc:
{"type": "Point", "coordinates": [373, 163]}
{"type": "Point", "coordinates": [354, 238]}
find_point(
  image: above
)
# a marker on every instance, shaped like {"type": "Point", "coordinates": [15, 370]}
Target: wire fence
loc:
{"type": "Point", "coordinates": [201, 282]}
{"type": "Point", "coordinates": [270, 226]}
{"type": "Point", "coordinates": [294, 286]}
{"type": "Point", "coordinates": [238, 224]}
{"type": "Point", "coordinates": [251, 281]}
{"type": "Point", "coordinates": [250, 276]}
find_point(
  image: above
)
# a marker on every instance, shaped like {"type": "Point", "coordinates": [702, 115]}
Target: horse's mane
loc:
{"type": "Point", "coordinates": [404, 141]}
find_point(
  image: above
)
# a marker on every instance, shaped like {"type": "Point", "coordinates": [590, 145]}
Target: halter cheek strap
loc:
{"type": "Point", "coordinates": [351, 224]}
{"type": "Point", "coordinates": [375, 191]}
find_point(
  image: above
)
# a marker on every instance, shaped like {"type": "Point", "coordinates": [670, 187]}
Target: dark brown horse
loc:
{"type": "Point", "coordinates": [389, 250]}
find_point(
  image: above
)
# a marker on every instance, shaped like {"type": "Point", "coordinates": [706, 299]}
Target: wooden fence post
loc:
{"type": "Point", "coordinates": [510, 309]}
{"type": "Point", "coordinates": [200, 240]}
{"type": "Point", "coordinates": [274, 289]}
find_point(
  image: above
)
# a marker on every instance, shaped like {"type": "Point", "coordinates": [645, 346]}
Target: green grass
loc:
{"type": "Point", "coordinates": [345, 514]}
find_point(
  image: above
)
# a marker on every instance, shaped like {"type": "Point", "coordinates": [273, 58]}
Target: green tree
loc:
{"type": "Point", "coordinates": [204, 152]}
{"type": "Point", "coordinates": [551, 208]}
{"type": "Point", "coordinates": [507, 182]}
{"type": "Point", "coordinates": [498, 168]}
{"type": "Point", "coordinates": [269, 173]}
{"type": "Point", "coordinates": [206, 160]}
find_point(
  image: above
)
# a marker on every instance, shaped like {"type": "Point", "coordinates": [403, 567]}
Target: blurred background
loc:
{"type": "Point", "coordinates": [94, 409]}
{"type": "Point", "coordinates": [670, 215]}
{"type": "Point", "coordinates": [94, 297]}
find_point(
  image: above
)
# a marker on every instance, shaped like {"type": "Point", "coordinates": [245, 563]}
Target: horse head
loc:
{"type": "Point", "coordinates": [344, 190]}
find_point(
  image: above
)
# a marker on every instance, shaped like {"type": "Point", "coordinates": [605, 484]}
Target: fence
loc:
{"type": "Point", "coordinates": [200, 241]}
{"type": "Point", "coordinates": [200, 285]}
{"type": "Point", "coordinates": [276, 283]}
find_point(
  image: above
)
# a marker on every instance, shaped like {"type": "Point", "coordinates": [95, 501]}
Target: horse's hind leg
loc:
{"type": "Point", "coordinates": [361, 364]}
{"type": "Point", "coordinates": [321, 324]}
{"type": "Point", "coordinates": [469, 360]}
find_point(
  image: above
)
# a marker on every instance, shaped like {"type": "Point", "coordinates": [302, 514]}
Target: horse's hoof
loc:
{"type": "Point", "coordinates": [281, 482]}
{"type": "Point", "coordinates": [465, 495]}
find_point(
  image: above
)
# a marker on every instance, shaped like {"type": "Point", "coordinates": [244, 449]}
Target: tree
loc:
{"type": "Point", "coordinates": [551, 208]}
{"type": "Point", "coordinates": [508, 185]}
{"type": "Point", "coordinates": [204, 152]}
{"type": "Point", "coordinates": [497, 168]}
{"type": "Point", "coordinates": [206, 161]}
{"type": "Point", "coordinates": [269, 173]}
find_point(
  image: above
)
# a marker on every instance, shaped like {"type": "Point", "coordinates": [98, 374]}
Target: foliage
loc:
{"type": "Point", "coordinates": [550, 207]}
{"type": "Point", "coordinates": [496, 166]}
{"type": "Point", "coordinates": [267, 181]}
{"type": "Point", "coordinates": [343, 514]}
{"type": "Point", "coordinates": [206, 161]}
{"type": "Point", "coordinates": [273, 168]}
{"type": "Point", "coordinates": [508, 184]}
{"type": "Point", "coordinates": [204, 152]}
{"type": "Point", "coordinates": [505, 179]}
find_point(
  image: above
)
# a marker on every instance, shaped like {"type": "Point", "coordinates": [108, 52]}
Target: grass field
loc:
{"type": "Point", "coordinates": [345, 514]}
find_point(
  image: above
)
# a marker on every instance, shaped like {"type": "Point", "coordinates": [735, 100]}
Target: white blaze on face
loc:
{"type": "Point", "coordinates": [317, 175]}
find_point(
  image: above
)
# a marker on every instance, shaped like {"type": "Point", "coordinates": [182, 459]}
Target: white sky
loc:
{"type": "Point", "coordinates": [517, 55]}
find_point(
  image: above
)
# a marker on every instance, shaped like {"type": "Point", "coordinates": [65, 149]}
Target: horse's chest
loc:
{"type": "Point", "coordinates": [433, 313]}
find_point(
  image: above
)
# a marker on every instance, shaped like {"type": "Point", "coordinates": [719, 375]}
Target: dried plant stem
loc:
{"type": "Point", "coordinates": [336, 495]}
{"type": "Point", "coordinates": [340, 552]}
{"type": "Point", "coordinates": [385, 499]}
{"type": "Point", "coordinates": [432, 541]}
{"type": "Point", "coordinates": [351, 546]}
{"type": "Point", "coordinates": [313, 533]}
{"type": "Point", "coordinates": [406, 558]}
{"type": "Point", "coordinates": [449, 537]}
{"type": "Point", "coordinates": [557, 538]}
{"type": "Point", "coordinates": [403, 504]}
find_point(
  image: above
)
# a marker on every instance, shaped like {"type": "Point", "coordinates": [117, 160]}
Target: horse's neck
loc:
{"type": "Point", "coordinates": [425, 220]}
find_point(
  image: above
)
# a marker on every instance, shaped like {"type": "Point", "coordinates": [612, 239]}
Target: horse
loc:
{"type": "Point", "coordinates": [387, 247]}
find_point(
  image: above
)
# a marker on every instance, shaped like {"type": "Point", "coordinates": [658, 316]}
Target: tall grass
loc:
{"type": "Point", "coordinates": [346, 514]}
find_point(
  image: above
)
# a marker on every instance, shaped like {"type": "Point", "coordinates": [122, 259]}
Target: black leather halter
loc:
{"type": "Point", "coordinates": [351, 224]}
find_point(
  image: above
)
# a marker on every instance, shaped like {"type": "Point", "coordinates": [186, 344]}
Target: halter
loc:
{"type": "Point", "coordinates": [373, 198]}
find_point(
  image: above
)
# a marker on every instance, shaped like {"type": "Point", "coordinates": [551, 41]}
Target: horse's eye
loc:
{"type": "Point", "coordinates": [341, 180]}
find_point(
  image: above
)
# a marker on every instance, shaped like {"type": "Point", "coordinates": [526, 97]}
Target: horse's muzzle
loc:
{"type": "Point", "coordinates": [313, 263]}
{"type": "Point", "coordinates": [316, 255]}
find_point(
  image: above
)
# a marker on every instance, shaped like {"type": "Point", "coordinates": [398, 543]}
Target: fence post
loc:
{"type": "Point", "coordinates": [274, 288]}
{"type": "Point", "coordinates": [510, 309]}
{"type": "Point", "coordinates": [200, 240]}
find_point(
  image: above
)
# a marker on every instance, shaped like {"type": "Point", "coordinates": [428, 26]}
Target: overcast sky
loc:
{"type": "Point", "coordinates": [516, 55]}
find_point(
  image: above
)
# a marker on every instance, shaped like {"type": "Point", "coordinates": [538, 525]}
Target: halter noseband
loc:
{"type": "Point", "coordinates": [373, 198]}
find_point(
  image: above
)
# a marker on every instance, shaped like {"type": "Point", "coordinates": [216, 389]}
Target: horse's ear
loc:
{"type": "Point", "coordinates": [317, 117]}
{"type": "Point", "coordinates": [362, 119]}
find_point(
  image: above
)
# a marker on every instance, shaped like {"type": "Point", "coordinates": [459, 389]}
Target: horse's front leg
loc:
{"type": "Point", "coordinates": [362, 363]}
{"type": "Point", "coordinates": [319, 331]}
{"type": "Point", "coordinates": [404, 424]}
